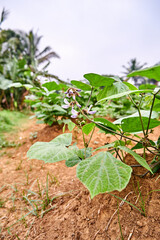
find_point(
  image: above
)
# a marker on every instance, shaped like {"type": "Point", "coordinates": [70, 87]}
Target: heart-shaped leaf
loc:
{"type": "Point", "coordinates": [97, 80]}
{"type": "Point", "coordinates": [103, 173]}
{"type": "Point", "coordinates": [53, 151]}
{"type": "Point", "coordinates": [81, 85]}
{"type": "Point", "coordinates": [133, 124]}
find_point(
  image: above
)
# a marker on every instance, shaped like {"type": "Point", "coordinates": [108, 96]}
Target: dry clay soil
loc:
{"type": "Point", "coordinates": [72, 214]}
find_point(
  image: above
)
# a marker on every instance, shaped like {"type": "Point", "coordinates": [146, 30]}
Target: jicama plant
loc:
{"type": "Point", "coordinates": [106, 170]}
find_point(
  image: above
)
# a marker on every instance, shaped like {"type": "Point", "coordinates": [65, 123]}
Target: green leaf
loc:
{"type": "Point", "coordinates": [130, 86]}
{"type": "Point", "coordinates": [133, 124]}
{"type": "Point", "coordinates": [79, 155]}
{"type": "Point", "coordinates": [16, 85]}
{"type": "Point", "coordinates": [137, 146]}
{"type": "Point", "coordinates": [71, 162]}
{"type": "Point", "coordinates": [63, 139]}
{"type": "Point", "coordinates": [88, 128]}
{"type": "Point", "coordinates": [84, 153]}
{"type": "Point", "coordinates": [116, 88]}
{"type": "Point", "coordinates": [104, 122]}
{"type": "Point", "coordinates": [147, 86]}
{"type": "Point", "coordinates": [57, 108]}
{"type": "Point", "coordinates": [124, 94]}
{"type": "Point", "coordinates": [4, 83]}
{"type": "Point", "coordinates": [144, 113]}
{"type": "Point", "coordinates": [51, 86]}
{"type": "Point", "coordinates": [27, 86]}
{"type": "Point", "coordinates": [140, 145]}
{"type": "Point", "coordinates": [53, 151]}
{"type": "Point", "coordinates": [81, 85]}
{"type": "Point", "coordinates": [97, 80]}
{"type": "Point", "coordinates": [151, 73]}
{"type": "Point", "coordinates": [157, 107]}
{"type": "Point", "coordinates": [71, 125]}
{"type": "Point", "coordinates": [103, 173]}
{"type": "Point", "coordinates": [138, 158]}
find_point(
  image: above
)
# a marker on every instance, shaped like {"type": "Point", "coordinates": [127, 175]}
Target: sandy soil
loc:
{"type": "Point", "coordinates": [64, 208]}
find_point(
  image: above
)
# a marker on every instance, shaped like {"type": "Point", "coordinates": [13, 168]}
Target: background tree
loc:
{"type": "Point", "coordinates": [20, 58]}
{"type": "Point", "coordinates": [134, 65]}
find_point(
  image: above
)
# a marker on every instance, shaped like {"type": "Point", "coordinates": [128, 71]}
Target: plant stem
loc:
{"type": "Point", "coordinates": [150, 114]}
{"type": "Point", "coordinates": [91, 136]}
{"type": "Point", "coordinates": [140, 116]}
{"type": "Point", "coordinates": [84, 143]}
{"type": "Point", "coordinates": [89, 97]}
{"type": "Point", "coordinates": [119, 134]}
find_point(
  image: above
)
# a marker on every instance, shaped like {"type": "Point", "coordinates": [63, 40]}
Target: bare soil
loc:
{"type": "Point", "coordinates": [68, 212]}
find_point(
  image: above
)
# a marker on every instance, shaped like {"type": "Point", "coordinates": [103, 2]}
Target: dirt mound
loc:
{"type": "Point", "coordinates": [64, 208]}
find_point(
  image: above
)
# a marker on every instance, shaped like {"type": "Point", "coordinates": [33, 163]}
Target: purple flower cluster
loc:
{"type": "Point", "coordinates": [74, 92]}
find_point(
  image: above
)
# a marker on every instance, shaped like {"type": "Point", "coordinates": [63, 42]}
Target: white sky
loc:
{"type": "Point", "coordinates": [90, 35]}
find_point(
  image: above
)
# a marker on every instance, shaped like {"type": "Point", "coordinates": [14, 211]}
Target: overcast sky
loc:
{"type": "Point", "coordinates": [90, 35]}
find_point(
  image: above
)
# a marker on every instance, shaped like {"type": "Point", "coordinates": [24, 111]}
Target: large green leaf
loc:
{"type": "Point", "coordinates": [115, 88]}
{"type": "Point", "coordinates": [133, 124]}
{"type": "Point", "coordinates": [63, 139]}
{"type": "Point", "coordinates": [53, 151]}
{"type": "Point", "coordinates": [103, 173]}
{"type": "Point", "coordinates": [151, 73]}
{"type": "Point", "coordinates": [124, 94]}
{"type": "Point", "coordinates": [81, 85]}
{"type": "Point", "coordinates": [138, 158]}
{"type": "Point", "coordinates": [144, 113]}
{"type": "Point", "coordinates": [97, 80]}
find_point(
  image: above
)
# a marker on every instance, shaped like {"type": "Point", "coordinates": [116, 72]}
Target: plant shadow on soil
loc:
{"type": "Point", "coordinates": [58, 204]}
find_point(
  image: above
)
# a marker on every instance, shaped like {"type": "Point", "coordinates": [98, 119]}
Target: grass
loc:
{"type": "Point", "coordinates": [9, 121]}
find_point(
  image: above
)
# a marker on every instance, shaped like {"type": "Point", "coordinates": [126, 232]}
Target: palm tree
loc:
{"type": "Point", "coordinates": [33, 55]}
{"type": "Point", "coordinates": [4, 15]}
{"type": "Point", "coordinates": [133, 65]}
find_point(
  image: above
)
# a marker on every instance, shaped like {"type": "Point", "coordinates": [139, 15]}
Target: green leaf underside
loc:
{"type": "Point", "coordinates": [71, 125]}
{"type": "Point", "coordinates": [71, 162]}
{"type": "Point", "coordinates": [53, 151]}
{"type": "Point", "coordinates": [97, 80]}
{"type": "Point", "coordinates": [88, 128]}
{"type": "Point", "coordinates": [133, 124]}
{"type": "Point", "coordinates": [104, 122]}
{"type": "Point", "coordinates": [130, 86]}
{"type": "Point", "coordinates": [78, 156]}
{"type": "Point", "coordinates": [143, 114]}
{"type": "Point", "coordinates": [138, 158]}
{"type": "Point", "coordinates": [151, 73]}
{"type": "Point", "coordinates": [81, 85]}
{"type": "Point", "coordinates": [124, 94]}
{"type": "Point", "coordinates": [63, 139]}
{"type": "Point", "coordinates": [103, 173]}
{"type": "Point", "coordinates": [116, 88]}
